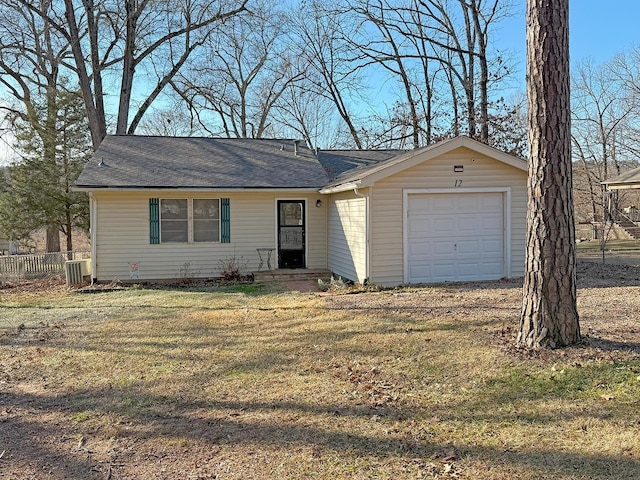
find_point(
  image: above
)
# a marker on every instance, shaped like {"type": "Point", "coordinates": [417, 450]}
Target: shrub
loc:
{"type": "Point", "coordinates": [233, 269]}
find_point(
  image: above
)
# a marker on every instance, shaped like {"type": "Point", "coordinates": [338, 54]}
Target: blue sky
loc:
{"type": "Point", "coordinates": [598, 29]}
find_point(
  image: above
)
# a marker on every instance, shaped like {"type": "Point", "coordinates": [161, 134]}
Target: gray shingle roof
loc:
{"type": "Point", "coordinates": [630, 178]}
{"type": "Point", "coordinates": [404, 156]}
{"type": "Point", "coordinates": [337, 162]}
{"type": "Point", "coordinates": [187, 162]}
{"type": "Point", "coordinates": [131, 161]}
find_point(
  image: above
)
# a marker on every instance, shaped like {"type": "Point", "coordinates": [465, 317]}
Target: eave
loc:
{"type": "Point", "coordinates": [101, 188]}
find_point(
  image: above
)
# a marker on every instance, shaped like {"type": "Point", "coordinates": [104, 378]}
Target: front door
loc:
{"type": "Point", "coordinates": [291, 234]}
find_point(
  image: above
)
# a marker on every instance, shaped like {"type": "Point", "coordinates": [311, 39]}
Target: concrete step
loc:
{"type": "Point", "coordinates": [631, 228]}
{"type": "Point", "coordinates": [283, 275]}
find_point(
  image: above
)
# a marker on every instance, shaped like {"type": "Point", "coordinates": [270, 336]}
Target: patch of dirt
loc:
{"type": "Point", "coordinates": [33, 286]}
{"type": "Point", "coordinates": [608, 293]}
{"type": "Point", "coordinates": [55, 447]}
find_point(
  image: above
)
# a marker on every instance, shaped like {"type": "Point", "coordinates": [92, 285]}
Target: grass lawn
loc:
{"type": "Point", "coordinates": [595, 245]}
{"type": "Point", "coordinates": [259, 383]}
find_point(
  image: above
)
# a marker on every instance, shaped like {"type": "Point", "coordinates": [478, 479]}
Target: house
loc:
{"type": "Point", "coordinates": [4, 246]}
{"type": "Point", "coordinates": [166, 207]}
{"type": "Point", "coordinates": [9, 247]}
{"type": "Point", "coordinates": [626, 223]}
{"type": "Point", "coordinates": [626, 181]}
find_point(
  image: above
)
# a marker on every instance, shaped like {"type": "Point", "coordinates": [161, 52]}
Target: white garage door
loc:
{"type": "Point", "coordinates": [455, 237]}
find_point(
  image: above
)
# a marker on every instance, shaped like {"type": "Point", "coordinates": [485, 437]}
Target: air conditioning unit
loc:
{"type": "Point", "coordinates": [76, 270]}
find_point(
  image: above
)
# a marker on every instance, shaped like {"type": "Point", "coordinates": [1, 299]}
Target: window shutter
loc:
{"type": "Point", "coordinates": [225, 221]}
{"type": "Point", "coordinates": [154, 221]}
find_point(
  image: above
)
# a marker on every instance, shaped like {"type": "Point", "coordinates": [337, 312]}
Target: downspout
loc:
{"type": "Point", "coordinates": [367, 225]}
{"type": "Point", "coordinates": [93, 217]}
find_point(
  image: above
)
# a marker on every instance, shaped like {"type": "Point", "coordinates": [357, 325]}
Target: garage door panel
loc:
{"type": "Point", "coordinates": [441, 203]}
{"type": "Point", "coordinates": [441, 226]}
{"type": "Point", "coordinates": [467, 203]}
{"type": "Point", "coordinates": [492, 270]}
{"type": "Point", "coordinates": [418, 229]}
{"type": "Point", "coordinates": [421, 248]}
{"type": "Point", "coordinates": [455, 237]}
{"type": "Point", "coordinates": [491, 224]}
{"type": "Point", "coordinates": [468, 269]}
{"type": "Point", "coordinates": [493, 247]}
{"type": "Point", "coordinates": [468, 227]}
{"type": "Point", "coordinates": [443, 271]}
{"type": "Point", "coordinates": [491, 203]}
{"type": "Point", "coordinates": [442, 248]}
{"type": "Point", "coordinates": [468, 247]}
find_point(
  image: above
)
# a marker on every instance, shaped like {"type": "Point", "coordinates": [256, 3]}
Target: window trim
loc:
{"type": "Point", "coordinates": [193, 220]}
{"type": "Point", "coordinates": [177, 221]}
{"type": "Point", "coordinates": [190, 221]}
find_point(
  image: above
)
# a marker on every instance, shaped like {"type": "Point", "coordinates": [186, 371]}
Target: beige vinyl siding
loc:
{"type": "Point", "coordinates": [387, 259]}
{"type": "Point", "coordinates": [123, 235]}
{"type": "Point", "coordinates": [347, 252]}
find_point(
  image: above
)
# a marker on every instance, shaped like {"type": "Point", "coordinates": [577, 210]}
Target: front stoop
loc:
{"type": "Point", "coordinates": [285, 275]}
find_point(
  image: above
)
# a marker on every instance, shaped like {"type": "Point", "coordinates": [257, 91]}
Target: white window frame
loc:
{"type": "Point", "coordinates": [190, 220]}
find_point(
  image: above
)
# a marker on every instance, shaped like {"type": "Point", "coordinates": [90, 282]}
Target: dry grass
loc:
{"type": "Point", "coordinates": [610, 245]}
{"type": "Point", "coordinates": [417, 383]}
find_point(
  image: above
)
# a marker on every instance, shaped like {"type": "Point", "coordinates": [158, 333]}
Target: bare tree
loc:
{"type": "Point", "coordinates": [134, 35]}
{"type": "Point", "coordinates": [173, 121]}
{"type": "Point", "coordinates": [549, 309]}
{"type": "Point", "coordinates": [301, 113]}
{"type": "Point", "coordinates": [427, 48]}
{"type": "Point", "coordinates": [318, 37]}
{"type": "Point", "coordinates": [245, 71]}
{"type": "Point", "coordinates": [508, 125]}
{"type": "Point", "coordinates": [462, 35]}
{"type": "Point", "coordinates": [32, 56]}
{"type": "Point", "coordinates": [626, 68]}
{"type": "Point", "coordinates": [382, 43]}
{"type": "Point", "coordinates": [50, 130]}
{"type": "Point", "coordinates": [601, 115]}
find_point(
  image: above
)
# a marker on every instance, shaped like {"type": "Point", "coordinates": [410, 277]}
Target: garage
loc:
{"type": "Point", "coordinates": [453, 211]}
{"type": "Point", "coordinates": [455, 236]}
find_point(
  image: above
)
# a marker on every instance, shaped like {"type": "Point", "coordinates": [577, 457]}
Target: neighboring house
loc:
{"type": "Point", "coordinates": [9, 247]}
{"type": "Point", "coordinates": [4, 246]}
{"type": "Point", "coordinates": [165, 208]}
{"type": "Point", "coordinates": [626, 181]}
{"type": "Point", "coordinates": [627, 224]}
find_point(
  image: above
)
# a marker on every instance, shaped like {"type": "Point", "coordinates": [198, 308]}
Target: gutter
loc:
{"type": "Point", "coordinates": [343, 187]}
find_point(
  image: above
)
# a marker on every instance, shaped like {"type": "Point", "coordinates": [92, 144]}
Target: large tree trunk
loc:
{"type": "Point", "coordinates": [69, 232]}
{"type": "Point", "coordinates": [128, 66]}
{"type": "Point", "coordinates": [549, 311]}
{"type": "Point", "coordinates": [95, 111]}
{"type": "Point", "coordinates": [482, 39]}
{"type": "Point", "coordinates": [52, 240]}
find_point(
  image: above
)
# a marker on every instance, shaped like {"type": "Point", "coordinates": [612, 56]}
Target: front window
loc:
{"type": "Point", "coordinates": [174, 221]}
{"type": "Point", "coordinates": [189, 220]}
{"type": "Point", "coordinates": [206, 220]}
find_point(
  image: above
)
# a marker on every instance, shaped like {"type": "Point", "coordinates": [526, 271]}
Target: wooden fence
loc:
{"type": "Point", "coordinates": [16, 268]}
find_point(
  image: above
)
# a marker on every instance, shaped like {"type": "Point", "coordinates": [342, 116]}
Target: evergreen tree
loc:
{"type": "Point", "coordinates": [55, 143]}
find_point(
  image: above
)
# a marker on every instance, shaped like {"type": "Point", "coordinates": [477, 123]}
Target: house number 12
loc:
{"type": "Point", "coordinates": [458, 183]}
